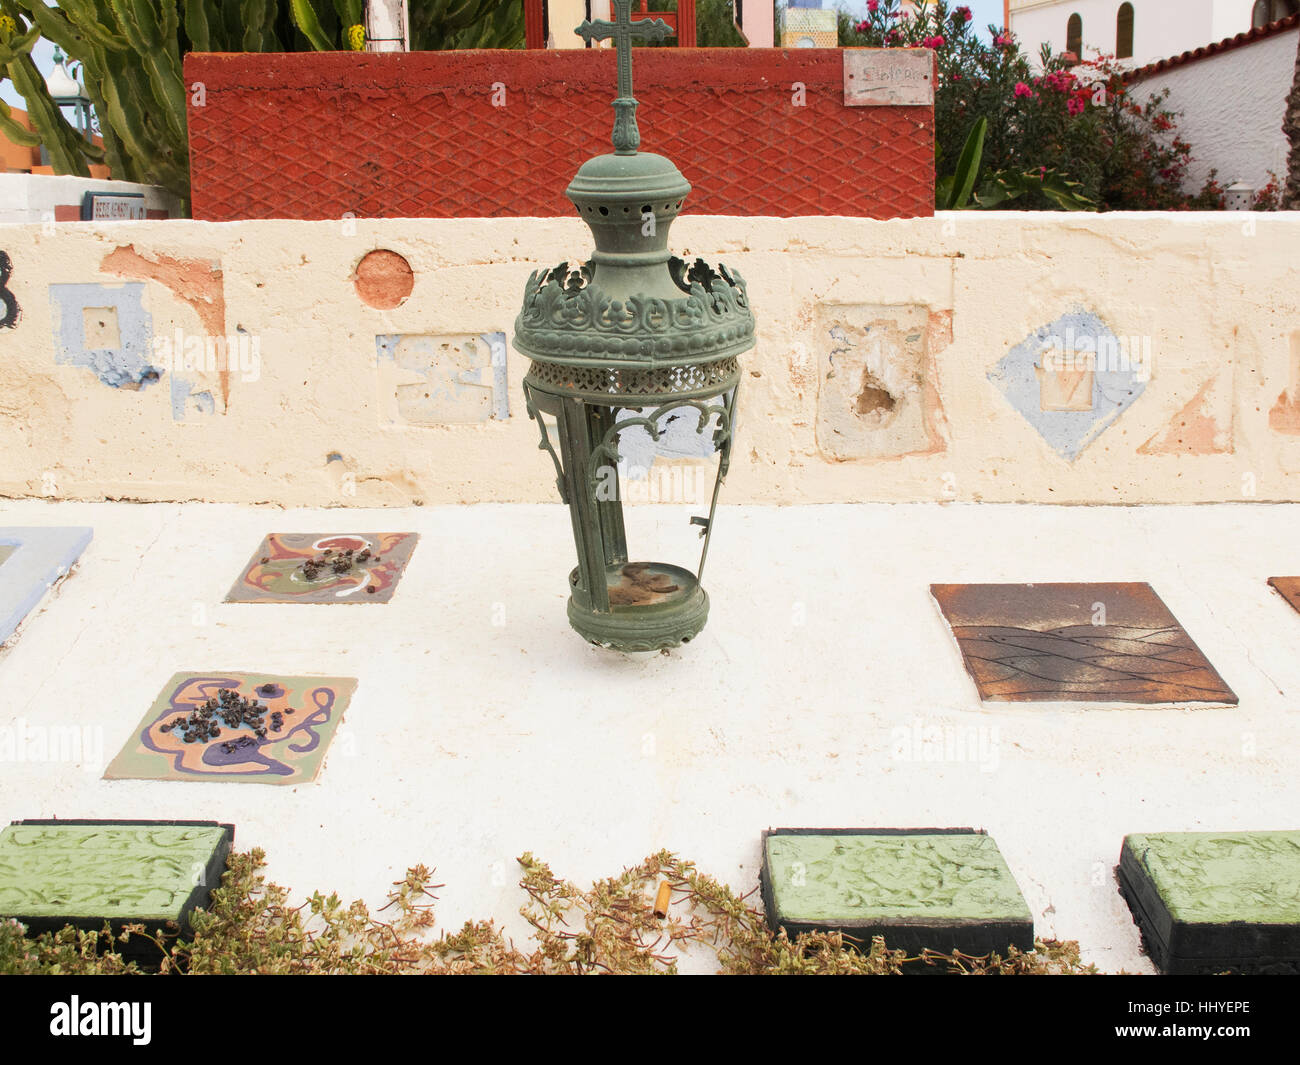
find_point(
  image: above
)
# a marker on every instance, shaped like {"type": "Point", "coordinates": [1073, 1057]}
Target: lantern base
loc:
{"type": "Point", "coordinates": [652, 606]}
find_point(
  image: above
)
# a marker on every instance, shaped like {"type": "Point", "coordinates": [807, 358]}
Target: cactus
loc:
{"type": "Point", "coordinates": [131, 50]}
{"type": "Point", "coordinates": [442, 24]}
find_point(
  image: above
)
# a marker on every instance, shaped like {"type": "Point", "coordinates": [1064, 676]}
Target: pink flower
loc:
{"type": "Point", "coordinates": [932, 42]}
{"type": "Point", "coordinates": [1005, 39]}
{"type": "Point", "coordinates": [1076, 106]}
{"type": "Point", "coordinates": [873, 6]}
{"type": "Point", "coordinates": [962, 13]}
{"type": "Point", "coordinates": [1023, 90]}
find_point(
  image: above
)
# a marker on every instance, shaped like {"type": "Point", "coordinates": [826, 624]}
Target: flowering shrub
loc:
{"type": "Point", "coordinates": [1051, 125]}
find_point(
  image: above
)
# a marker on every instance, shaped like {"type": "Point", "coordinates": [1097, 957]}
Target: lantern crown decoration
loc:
{"type": "Point", "coordinates": [625, 341]}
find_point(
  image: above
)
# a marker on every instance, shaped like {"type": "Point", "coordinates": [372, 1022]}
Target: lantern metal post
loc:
{"type": "Point", "coordinates": [629, 339]}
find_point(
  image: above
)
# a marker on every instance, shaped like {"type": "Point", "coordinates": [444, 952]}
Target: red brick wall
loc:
{"type": "Point", "coordinates": [316, 135]}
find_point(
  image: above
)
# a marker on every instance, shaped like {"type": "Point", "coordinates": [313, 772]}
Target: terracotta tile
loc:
{"type": "Point", "coordinates": [1107, 643]}
{"type": "Point", "coordinates": [1288, 588]}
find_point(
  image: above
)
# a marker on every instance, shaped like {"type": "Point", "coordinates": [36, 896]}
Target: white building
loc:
{"type": "Point", "coordinates": [1238, 133]}
{"type": "Point", "coordinates": [1142, 31]}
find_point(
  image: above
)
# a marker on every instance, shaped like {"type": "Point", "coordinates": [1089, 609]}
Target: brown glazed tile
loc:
{"type": "Point", "coordinates": [1105, 643]}
{"type": "Point", "coordinates": [1288, 588]}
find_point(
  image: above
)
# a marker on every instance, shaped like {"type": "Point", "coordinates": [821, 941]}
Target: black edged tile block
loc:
{"type": "Point", "coordinates": [1210, 902]}
{"type": "Point", "coordinates": [86, 873]}
{"type": "Point", "coordinates": [943, 889]}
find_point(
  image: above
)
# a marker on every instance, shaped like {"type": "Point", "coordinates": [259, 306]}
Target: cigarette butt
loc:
{"type": "Point", "coordinates": [663, 898]}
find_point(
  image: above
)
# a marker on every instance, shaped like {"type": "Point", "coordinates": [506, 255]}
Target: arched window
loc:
{"type": "Point", "coordinates": [1124, 32]}
{"type": "Point", "coordinates": [1074, 36]}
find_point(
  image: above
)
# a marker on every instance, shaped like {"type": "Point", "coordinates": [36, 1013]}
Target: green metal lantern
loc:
{"type": "Point", "coordinates": [630, 338]}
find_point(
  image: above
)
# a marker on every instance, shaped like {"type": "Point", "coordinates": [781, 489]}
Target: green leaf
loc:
{"type": "Point", "coordinates": [304, 17]}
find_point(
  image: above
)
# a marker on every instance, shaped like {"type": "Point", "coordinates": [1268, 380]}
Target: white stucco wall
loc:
{"type": "Point", "coordinates": [1232, 106]}
{"type": "Point", "coordinates": [875, 376]}
{"type": "Point", "coordinates": [33, 197]}
{"type": "Point", "coordinates": [1161, 28]}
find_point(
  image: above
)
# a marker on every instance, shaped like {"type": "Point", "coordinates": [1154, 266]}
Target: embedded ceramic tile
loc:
{"type": "Point", "coordinates": [1213, 901]}
{"type": "Point", "coordinates": [278, 574]}
{"type": "Point", "coordinates": [1072, 378]}
{"type": "Point", "coordinates": [274, 731]}
{"type": "Point", "coordinates": [941, 889]}
{"type": "Point", "coordinates": [105, 329]}
{"type": "Point", "coordinates": [876, 396]}
{"type": "Point", "coordinates": [32, 559]}
{"type": "Point", "coordinates": [1288, 588]}
{"type": "Point", "coordinates": [1111, 643]}
{"type": "Point", "coordinates": [86, 873]}
{"type": "Point", "coordinates": [442, 380]}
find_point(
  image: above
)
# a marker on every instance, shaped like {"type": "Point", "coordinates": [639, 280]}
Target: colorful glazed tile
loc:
{"type": "Point", "coordinates": [1104, 643]}
{"type": "Point", "coordinates": [84, 873]}
{"type": "Point", "coordinates": [1288, 588]}
{"type": "Point", "coordinates": [283, 744]}
{"type": "Point", "coordinates": [1071, 379]}
{"type": "Point", "coordinates": [1207, 902]}
{"type": "Point", "coordinates": [941, 889]}
{"type": "Point", "coordinates": [277, 573]}
{"type": "Point", "coordinates": [32, 560]}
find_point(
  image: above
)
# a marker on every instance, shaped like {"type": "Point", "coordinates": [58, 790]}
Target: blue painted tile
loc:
{"type": "Point", "coordinates": [115, 346]}
{"type": "Point", "coordinates": [39, 556]}
{"type": "Point", "coordinates": [1121, 368]}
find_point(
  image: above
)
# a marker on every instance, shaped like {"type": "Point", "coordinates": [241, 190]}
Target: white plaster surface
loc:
{"type": "Point", "coordinates": [469, 742]}
{"type": "Point", "coordinates": [1232, 106]}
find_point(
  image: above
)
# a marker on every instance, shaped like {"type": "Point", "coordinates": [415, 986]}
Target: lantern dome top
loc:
{"type": "Point", "coordinates": [634, 322]}
{"type": "Point", "coordinates": [641, 176]}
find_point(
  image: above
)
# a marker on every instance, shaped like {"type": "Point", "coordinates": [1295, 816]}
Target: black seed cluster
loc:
{"type": "Point", "coordinates": [232, 710]}
{"type": "Point", "coordinates": [340, 562]}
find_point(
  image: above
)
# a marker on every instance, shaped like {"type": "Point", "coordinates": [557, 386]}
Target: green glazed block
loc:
{"type": "Point", "coordinates": [86, 873]}
{"type": "Point", "coordinates": [941, 889]}
{"type": "Point", "coordinates": [1210, 902]}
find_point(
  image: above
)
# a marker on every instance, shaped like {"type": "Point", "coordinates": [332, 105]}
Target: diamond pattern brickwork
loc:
{"type": "Point", "coordinates": [318, 135]}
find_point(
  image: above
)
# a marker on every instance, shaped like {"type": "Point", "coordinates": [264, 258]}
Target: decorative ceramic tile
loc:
{"type": "Point", "coordinates": [32, 559]}
{"type": "Point", "coordinates": [1109, 643]}
{"type": "Point", "coordinates": [318, 568]}
{"type": "Point", "coordinates": [942, 889]}
{"type": "Point", "coordinates": [1072, 378]}
{"type": "Point", "coordinates": [1211, 901]}
{"type": "Point", "coordinates": [1288, 588]}
{"type": "Point", "coordinates": [83, 873]}
{"type": "Point", "coordinates": [271, 730]}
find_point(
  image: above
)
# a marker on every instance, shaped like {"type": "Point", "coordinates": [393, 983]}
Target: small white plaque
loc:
{"type": "Point", "coordinates": [112, 207]}
{"type": "Point", "coordinates": [888, 77]}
